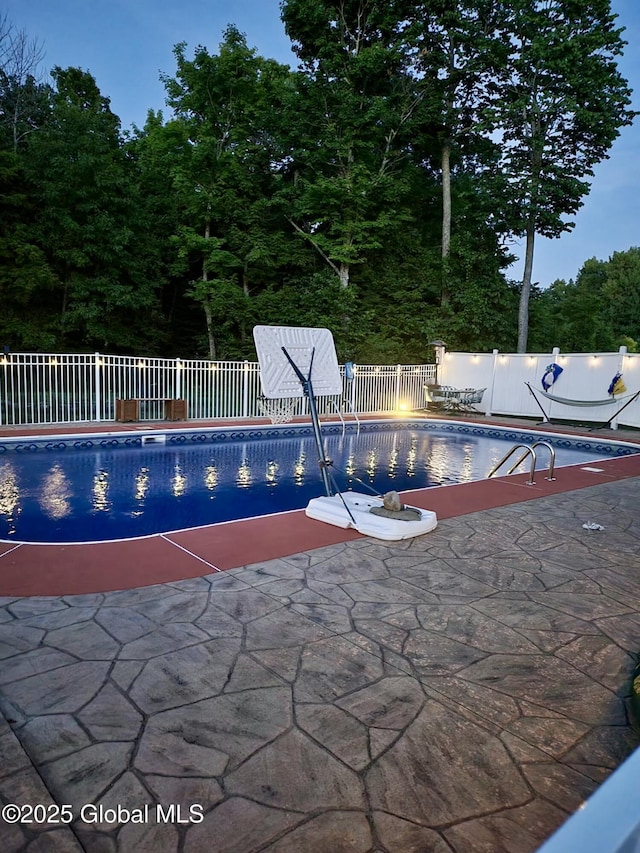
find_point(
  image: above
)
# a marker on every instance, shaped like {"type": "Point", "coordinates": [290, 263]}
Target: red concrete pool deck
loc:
{"type": "Point", "coordinates": [83, 568]}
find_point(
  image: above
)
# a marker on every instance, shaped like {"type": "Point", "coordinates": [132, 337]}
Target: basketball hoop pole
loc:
{"type": "Point", "coordinates": [307, 388]}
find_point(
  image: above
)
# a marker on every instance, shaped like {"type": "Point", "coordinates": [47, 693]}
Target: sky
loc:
{"type": "Point", "coordinates": [127, 44]}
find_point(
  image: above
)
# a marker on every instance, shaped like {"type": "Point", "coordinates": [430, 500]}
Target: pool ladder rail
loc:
{"type": "Point", "coordinates": [341, 416]}
{"type": "Point", "coordinates": [529, 450]}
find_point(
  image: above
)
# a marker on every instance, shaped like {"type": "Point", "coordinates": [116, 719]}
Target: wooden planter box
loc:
{"type": "Point", "coordinates": [129, 410]}
{"type": "Point", "coordinates": [175, 410]}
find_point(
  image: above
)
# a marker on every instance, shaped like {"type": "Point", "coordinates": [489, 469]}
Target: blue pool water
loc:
{"type": "Point", "coordinates": [105, 493]}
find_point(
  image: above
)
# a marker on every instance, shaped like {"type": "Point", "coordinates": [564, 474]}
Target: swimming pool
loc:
{"type": "Point", "coordinates": [97, 488]}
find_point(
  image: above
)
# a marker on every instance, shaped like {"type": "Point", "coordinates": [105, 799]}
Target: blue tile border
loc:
{"type": "Point", "coordinates": [217, 435]}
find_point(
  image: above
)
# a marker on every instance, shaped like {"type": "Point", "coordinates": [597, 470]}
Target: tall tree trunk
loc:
{"type": "Point", "coordinates": [65, 301]}
{"type": "Point", "coordinates": [242, 321]}
{"type": "Point", "coordinates": [207, 308]}
{"type": "Point", "coordinates": [523, 313]}
{"type": "Point", "coordinates": [530, 233]}
{"type": "Point", "coordinates": [344, 275]}
{"type": "Point", "coordinates": [15, 127]}
{"type": "Point", "coordinates": [210, 335]}
{"type": "Point", "coordinates": [446, 221]}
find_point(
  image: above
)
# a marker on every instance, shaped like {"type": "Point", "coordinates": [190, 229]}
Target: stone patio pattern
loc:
{"type": "Point", "coordinates": [464, 691]}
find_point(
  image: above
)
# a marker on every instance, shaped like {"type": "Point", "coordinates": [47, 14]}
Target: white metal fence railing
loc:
{"type": "Point", "coordinates": [46, 388]}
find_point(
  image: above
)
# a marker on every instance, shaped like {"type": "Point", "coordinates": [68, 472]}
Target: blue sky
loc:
{"type": "Point", "coordinates": [126, 44]}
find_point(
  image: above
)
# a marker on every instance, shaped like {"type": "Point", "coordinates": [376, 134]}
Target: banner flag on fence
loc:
{"type": "Point", "coordinates": [617, 385]}
{"type": "Point", "coordinates": [551, 373]}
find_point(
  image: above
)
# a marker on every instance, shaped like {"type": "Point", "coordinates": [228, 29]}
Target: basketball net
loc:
{"type": "Point", "coordinates": [278, 411]}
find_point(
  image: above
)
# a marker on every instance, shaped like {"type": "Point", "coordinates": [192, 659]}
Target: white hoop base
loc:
{"type": "Point", "coordinates": [332, 510]}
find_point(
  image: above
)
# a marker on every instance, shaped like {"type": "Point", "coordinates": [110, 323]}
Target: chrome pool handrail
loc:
{"type": "Point", "coordinates": [341, 416]}
{"type": "Point", "coordinates": [528, 450]}
{"type": "Point", "coordinates": [552, 457]}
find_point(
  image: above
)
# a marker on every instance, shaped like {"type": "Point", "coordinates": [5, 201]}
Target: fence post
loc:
{"type": "Point", "coordinates": [493, 382]}
{"type": "Point", "coordinates": [98, 389]}
{"type": "Point", "coordinates": [398, 373]}
{"type": "Point", "coordinates": [178, 387]}
{"type": "Point", "coordinates": [4, 384]}
{"type": "Point", "coordinates": [245, 390]}
{"type": "Point", "coordinates": [353, 388]}
{"type": "Point", "coordinates": [621, 354]}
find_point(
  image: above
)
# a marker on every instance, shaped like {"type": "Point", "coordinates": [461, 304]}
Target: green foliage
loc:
{"type": "Point", "coordinates": [349, 128]}
{"type": "Point", "coordinates": [599, 311]}
{"type": "Point", "coordinates": [562, 104]}
{"type": "Point", "coordinates": [315, 300]}
{"type": "Point", "coordinates": [622, 292]}
{"type": "Point", "coordinates": [317, 196]}
{"type": "Point", "coordinates": [222, 172]}
{"type": "Point", "coordinates": [629, 343]}
{"type": "Point", "coordinates": [81, 274]}
{"type": "Point", "coordinates": [25, 277]}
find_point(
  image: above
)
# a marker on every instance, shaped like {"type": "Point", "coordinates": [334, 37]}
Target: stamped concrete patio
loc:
{"type": "Point", "coordinates": [464, 691]}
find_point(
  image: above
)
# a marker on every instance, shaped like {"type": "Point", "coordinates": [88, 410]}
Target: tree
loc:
{"type": "Point", "coordinates": [563, 103]}
{"type": "Point", "coordinates": [579, 311]}
{"type": "Point", "coordinates": [153, 153]}
{"type": "Point", "coordinates": [622, 291]}
{"type": "Point", "coordinates": [224, 174]}
{"type": "Point", "coordinates": [24, 106]}
{"type": "Point", "coordinates": [25, 276]}
{"type": "Point", "coordinates": [597, 312]}
{"type": "Point", "coordinates": [349, 128]}
{"type": "Point", "coordinates": [22, 95]}
{"type": "Point", "coordinates": [87, 223]}
{"type": "Point", "coordinates": [370, 190]}
{"type": "Point", "coordinates": [461, 49]}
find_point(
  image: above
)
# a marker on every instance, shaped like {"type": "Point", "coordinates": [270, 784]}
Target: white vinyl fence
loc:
{"type": "Point", "coordinates": [39, 388]}
{"type": "Point", "coordinates": [584, 377]}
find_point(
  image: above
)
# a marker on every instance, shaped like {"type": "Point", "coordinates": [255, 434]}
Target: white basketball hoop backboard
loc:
{"type": "Point", "coordinates": [277, 376]}
{"type": "Point", "coordinates": [295, 361]}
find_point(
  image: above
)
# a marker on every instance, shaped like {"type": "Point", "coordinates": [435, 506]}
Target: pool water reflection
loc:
{"type": "Point", "coordinates": [98, 494]}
